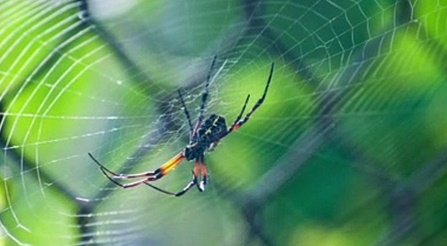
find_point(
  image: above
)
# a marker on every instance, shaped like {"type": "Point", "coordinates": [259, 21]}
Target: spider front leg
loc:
{"type": "Point", "coordinates": [186, 112]}
{"type": "Point", "coordinates": [238, 122]}
{"type": "Point", "coordinates": [238, 118]}
{"type": "Point", "coordinates": [206, 90]}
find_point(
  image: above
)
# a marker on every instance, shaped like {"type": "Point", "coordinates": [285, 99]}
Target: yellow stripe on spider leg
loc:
{"type": "Point", "coordinates": [171, 164]}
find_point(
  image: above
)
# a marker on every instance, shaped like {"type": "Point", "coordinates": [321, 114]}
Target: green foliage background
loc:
{"type": "Point", "coordinates": [350, 147]}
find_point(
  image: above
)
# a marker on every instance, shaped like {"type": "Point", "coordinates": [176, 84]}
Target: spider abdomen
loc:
{"type": "Point", "coordinates": [208, 135]}
{"type": "Point", "coordinates": [212, 130]}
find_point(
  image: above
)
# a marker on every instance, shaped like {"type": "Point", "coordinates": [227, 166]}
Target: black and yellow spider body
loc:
{"type": "Point", "coordinates": [204, 137]}
{"type": "Point", "coordinates": [208, 135]}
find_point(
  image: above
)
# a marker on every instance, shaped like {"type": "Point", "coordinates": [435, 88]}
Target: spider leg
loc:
{"type": "Point", "coordinates": [204, 101]}
{"type": "Point", "coordinates": [125, 186]}
{"type": "Point", "coordinates": [185, 110]}
{"type": "Point", "coordinates": [180, 193]}
{"type": "Point", "coordinates": [204, 172]}
{"type": "Point", "coordinates": [139, 182]}
{"type": "Point", "coordinates": [146, 182]}
{"type": "Point", "coordinates": [136, 183]}
{"type": "Point", "coordinates": [159, 189]}
{"type": "Point", "coordinates": [197, 169]}
{"type": "Point", "coordinates": [238, 118]}
{"type": "Point", "coordinates": [187, 187]}
{"type": "Point", "coordinates": [239, 123]}
{"type": "Point", "coordinates": [170, 165]}
{"type": "Point", "coordinates": [103, 168]}
{"type": "Point", "coordinates": [206, 90]}
{"type": "Point", "coordinates": [149, 176]}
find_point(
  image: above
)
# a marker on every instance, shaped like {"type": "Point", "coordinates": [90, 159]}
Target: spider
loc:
{"type": "Point", "coordinates": [204, 137]}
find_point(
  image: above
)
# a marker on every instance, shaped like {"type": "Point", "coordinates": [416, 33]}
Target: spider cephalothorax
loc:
{"type": "Point", "coordinates": [204, 136]}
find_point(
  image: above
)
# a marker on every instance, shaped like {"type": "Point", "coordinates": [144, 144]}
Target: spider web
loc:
{"type": "Point", "coordinates": [349, 147]}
